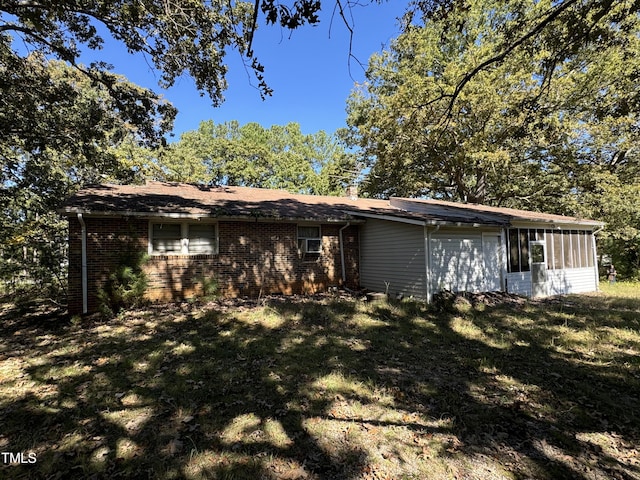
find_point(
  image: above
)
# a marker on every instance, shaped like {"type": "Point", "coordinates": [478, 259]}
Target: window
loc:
{"type": "Point", "coordinates": [514, 250]}
{"type": "Point", "coordinates": [309, 240]}
{"type": "Point", "coordinates": [549, 245]}
{"type": "Point", "coordinates": [183, 238]}
{"type": "Point", "coordinates": [575, 248]}
{"type": "Point", "coordinates": [202, 238]}
{"type": "Point", "coordinates": [586, 252]}
{"type": "Point", "coordinates": [166, 238]}
{"type": "Point", "coordinates": [537, 253]}
{"type": "Point", "coordinates": [589, 248]}
{"type": "Point", "coordinates": [558, 250]}
{"type": "Point", "coordinates": [564, 248]}
{"type": "Point", "coordinates": [519, 248]}
{"type": "Point", "coordinates": [568, 258]}
{"type": "Point", "coordinates": [524, 250]}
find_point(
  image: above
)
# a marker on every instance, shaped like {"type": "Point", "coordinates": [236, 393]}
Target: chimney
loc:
{"type": "Point", "coordinates": [352, 191]}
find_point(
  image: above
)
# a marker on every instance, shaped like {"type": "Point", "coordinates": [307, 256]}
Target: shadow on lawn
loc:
{"type": "Point", "coordinates": [282, 392]}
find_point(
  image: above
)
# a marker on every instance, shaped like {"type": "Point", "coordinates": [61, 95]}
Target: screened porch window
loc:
{"type": "Point", "coordinates": [565, 248]}
{"type": "Point", "coordinates": [524, 250]}
{"type": "Point", "coordinates": [519, 249]}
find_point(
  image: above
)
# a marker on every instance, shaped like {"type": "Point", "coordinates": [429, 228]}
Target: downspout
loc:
{"type": "Point", "coordinates": [344, 269]}
{"type": "Point", "coordinates": [427, 260]}
{"type": "Point", "coordinates": [596, 270]}
{"type": "Point", "coordinates": [83, 238]}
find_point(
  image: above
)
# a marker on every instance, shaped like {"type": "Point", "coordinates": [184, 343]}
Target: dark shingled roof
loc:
{"type": "Point", "coordinates": [157, 198]}
{"type": "Point", "coordinates": [178, 200]}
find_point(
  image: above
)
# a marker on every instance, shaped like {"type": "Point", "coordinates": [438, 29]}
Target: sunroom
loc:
{"type": "Point", "coordinates": [551, 261]}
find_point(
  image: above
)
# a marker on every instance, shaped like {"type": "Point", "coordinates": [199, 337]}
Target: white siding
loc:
{"type": "Point", "coordinates": [572, 280]}
{"type": "Point", "coordinates": [493, 264]}
{"type": "Point", "coordinates": [519, 283]}
{"type": "Point", "coordinates": [392, 258]}
{"type": "Point", "coordinates": [456, 261]}
{"type": "Point", "coordinates": [393, 253]}
{"type": "Point", "coordinates": [559, 282]}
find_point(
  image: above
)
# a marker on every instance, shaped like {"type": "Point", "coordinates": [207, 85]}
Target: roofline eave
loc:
{"type": "Point", "coordinates": [69, 212]}
{"type": "Point", "coordinates": [555, 224]}
{"type": "Point", "coordinates": [422, 221]}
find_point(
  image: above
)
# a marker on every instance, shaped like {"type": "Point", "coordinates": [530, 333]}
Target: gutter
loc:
{"type": "Point", "coordinates": [417, 220]}
{"type": "Point", "coordinates": [202, 216]}
{"type": "Point", "coordinates": [344, 269]}
{"type": "Point", "coordinates": [83, 238]}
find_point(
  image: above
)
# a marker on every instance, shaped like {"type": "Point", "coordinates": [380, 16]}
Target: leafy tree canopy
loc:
{"type": "Point", "coordinates": [251, 155]}
{"type": "Point", "coordinates": [177, 37]}
{"type": "Point", "coordinates": [538, 129]}
{"type": "Point", "coordinates": [194, 37]}
{"type": "Point", "coordinates": [64, 124]}
{"type": "Point", "coordinates": [65, 140]}
{"type": "Point", "coordinates": [566, 27]}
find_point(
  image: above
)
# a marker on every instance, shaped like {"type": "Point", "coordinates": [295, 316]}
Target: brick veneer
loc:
{"type": "Point", "coordinates": [254, 258]}
{"type": "Point", "coordinates": [106, 239]}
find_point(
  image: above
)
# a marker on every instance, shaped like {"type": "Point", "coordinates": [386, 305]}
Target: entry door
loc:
{"type": "Point", "coordinates": [538, 269]}
{"type": "Point", "coordinates": [492, 262]}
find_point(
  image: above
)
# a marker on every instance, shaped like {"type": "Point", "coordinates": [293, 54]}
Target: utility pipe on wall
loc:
{"type": "Point", "coordinates": [83, 240]}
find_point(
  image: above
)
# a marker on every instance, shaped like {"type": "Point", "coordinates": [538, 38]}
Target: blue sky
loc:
{"type": "Point", "coordinates": [310, 73]}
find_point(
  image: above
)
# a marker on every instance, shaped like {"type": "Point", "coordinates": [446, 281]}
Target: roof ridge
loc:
{"type": "Point", "coordinates": [180, 198]}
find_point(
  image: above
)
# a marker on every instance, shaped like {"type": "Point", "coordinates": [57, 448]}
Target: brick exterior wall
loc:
{"type": "Point", "coordinates": [253, 258]}
{"type": "Point", "coordinates": [108, 239]}
{"type": "Point", "coordinates": [74, 286]}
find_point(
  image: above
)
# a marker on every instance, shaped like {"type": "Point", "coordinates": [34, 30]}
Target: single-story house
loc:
{"type": "Point", "coordinates": [252, 241]}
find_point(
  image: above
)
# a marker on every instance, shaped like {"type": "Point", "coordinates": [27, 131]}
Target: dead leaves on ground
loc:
{"type": "Point", "coordinates": [363, 391]}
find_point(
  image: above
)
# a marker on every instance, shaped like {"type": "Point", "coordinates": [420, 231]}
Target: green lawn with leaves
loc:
{"type": "Point", "coordinates": [327, 388]}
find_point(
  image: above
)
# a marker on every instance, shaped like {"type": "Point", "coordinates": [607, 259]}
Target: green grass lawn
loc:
{"type": "Point", "coordinates": [327, 388]}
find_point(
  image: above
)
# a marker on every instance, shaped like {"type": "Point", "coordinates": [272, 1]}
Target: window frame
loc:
{"type": "Point", "coordinates": [513, 250]}
{"type": "Point", "coordinates": [518, 251]}
{"type": "Point", "coordinates": [184, 237]}
{"type": "Point", "coordinates": [525, 246]}
{"type": "Point", "coordinates": [564, 248]}
{"type": "Point", "coordinates": [537, 248]}
{"type": "Point", "coordinates": [153, 237]}
{"type": "Point", "coordinates": [305, 250]}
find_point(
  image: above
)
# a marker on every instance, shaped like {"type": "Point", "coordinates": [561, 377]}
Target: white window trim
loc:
{"type": "Point", "coordinates": [184, 241]}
